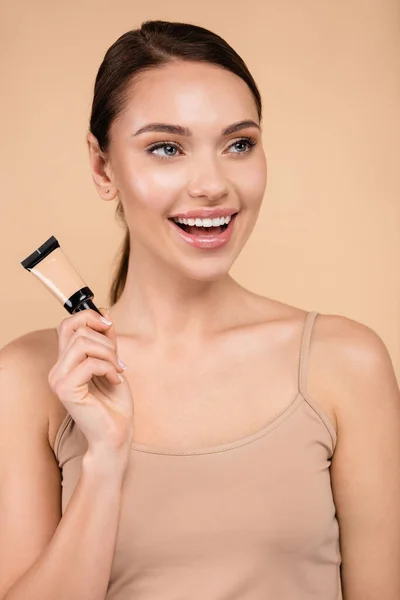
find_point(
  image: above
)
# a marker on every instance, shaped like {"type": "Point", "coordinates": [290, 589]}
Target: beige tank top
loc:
{"type": "Point", "coordinates": [248, 520]}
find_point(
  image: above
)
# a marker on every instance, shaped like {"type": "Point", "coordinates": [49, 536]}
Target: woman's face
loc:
{"type": "Point", "coordinates": [159, 174]}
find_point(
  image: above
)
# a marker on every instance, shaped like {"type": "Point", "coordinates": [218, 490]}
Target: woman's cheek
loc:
{"type": "Point", "coordinates": [256, 181]}
{"type": "Point", "coordinates": [154, 191]}
{"type": "Point", "coordinates": [168, 177]}
{"type": "Point", "coordinates": [250, 183]}
{"type": "Point", "coordinates": [155, 179]}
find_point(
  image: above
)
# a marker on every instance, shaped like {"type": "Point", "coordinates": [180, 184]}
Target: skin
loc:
{"type": "Point", "coordinates": [199, 346]}
{"type": "Point", "coordinates": [178, 300]}
{"type": "Point", "coordinates": [177, 290]}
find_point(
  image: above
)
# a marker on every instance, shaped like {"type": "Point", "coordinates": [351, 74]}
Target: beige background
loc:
{"type": "Point", "coordinates": [328, 236]}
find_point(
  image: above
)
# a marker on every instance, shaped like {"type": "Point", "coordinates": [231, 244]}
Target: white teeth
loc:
{"type": "Point", "coordinates": [204, 222]}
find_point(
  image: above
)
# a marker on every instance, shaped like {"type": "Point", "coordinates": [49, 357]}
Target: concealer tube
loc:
{"type": "Point", "coordinates": [49, 264]}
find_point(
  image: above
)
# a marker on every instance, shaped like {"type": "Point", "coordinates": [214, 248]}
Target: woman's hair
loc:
{"type": "Point", "coordinates": [155, 44]}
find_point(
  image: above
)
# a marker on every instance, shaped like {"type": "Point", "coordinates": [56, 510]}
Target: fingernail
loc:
{"type": "Point", "coordinates": [122, 364]}
{"type": "Point", "coordinates": [105, 321]}
{"type": "Point", "coordinates": [122, 379]}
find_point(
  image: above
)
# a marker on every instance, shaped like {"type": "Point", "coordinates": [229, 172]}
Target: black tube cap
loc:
{"type": "Point", "coordinates": [87, 304]}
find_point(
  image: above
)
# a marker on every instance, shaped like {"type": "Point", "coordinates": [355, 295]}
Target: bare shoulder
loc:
{"type": "Point", "coordinates": [351, 368]}
{"type": "Point", "coordinates": [25, 363]}
{"type": "Point", "coordinates": [35, 348]}
{"type": "Point", "coordinates": [349, 365]}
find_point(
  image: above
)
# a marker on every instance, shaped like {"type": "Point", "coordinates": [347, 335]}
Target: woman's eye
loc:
{"type": "Point", "coordinates": [249, 142]}
{"type": "Point", "coordinates": [168, 147]}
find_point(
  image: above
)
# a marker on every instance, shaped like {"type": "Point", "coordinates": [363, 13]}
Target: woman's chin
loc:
{"type": "Point", "coordinates": [206, 271]}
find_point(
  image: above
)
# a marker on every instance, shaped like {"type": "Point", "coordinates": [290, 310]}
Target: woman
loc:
{"type": "Point", "coordinates": [251, 448]}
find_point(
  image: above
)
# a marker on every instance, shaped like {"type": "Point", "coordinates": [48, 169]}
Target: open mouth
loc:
{"type": "Point", "coordinates": [201, 230]}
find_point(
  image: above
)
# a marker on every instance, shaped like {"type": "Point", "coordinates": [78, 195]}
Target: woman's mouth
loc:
{"type": "Point", "coordinates": [205, 233]}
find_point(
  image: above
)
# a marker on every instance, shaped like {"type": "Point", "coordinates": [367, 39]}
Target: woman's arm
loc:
{"type": "Point", "coordinates": [42, 553]}
{"type": "Point", "coordinates": [365, 468]}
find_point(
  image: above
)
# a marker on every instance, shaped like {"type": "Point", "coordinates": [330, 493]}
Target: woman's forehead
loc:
{"type": "Point", "coordinates": [187, 96]}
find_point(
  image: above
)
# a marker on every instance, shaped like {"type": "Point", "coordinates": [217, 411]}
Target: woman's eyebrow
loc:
{"type": "Point", "coordinates": [179, 130]}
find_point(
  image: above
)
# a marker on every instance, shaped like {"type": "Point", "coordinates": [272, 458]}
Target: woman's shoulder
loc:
{"type": "Point", "coordinates": [347, 344]}
{"type": "Point", "coordinates": [26, 361]}
{"type": "Point", "coordinates": [340, 341]}
{"type": "Point", "coordinates": [32, 350]}
{"type": "Point", "coordinates": [349, 363]}
{"type": "Point", "coordinates": [347, 359]}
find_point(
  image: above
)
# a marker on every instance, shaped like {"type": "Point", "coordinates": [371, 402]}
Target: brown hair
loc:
{"type": "Point", "coordinates": [154, 44]}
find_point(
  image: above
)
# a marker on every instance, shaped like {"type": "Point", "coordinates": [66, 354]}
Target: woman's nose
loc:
{"type": "Point", "coordinates": [208, 180]}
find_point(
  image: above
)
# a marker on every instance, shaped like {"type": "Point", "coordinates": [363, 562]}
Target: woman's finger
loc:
{"type": "Point", "coordinates": [69, 388]}
{"type": "Point", "coordinates": [69, 326]}
{"type": "Point", "coordinates": [82, 348]}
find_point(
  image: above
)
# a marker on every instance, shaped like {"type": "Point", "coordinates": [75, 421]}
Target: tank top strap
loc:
{"type": "Point", "coordinates": [305, 350]}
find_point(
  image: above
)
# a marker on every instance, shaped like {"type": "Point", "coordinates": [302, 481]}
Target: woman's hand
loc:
{"type": "Point", "coordinates": [86, 379]}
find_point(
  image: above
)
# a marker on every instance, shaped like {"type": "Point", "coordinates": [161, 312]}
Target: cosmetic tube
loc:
{"type": "Point", "coordinates": [49, 264]}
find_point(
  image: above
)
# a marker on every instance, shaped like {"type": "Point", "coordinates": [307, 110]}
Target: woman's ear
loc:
{"type": "Point", "coordinates": [100, 170]}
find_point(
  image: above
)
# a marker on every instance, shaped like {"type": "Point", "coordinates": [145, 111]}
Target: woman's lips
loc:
{"type": "Point", "coordinates": [206, 241]}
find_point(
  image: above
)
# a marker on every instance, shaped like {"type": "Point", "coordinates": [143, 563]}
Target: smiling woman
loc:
{"type": "Point", "coordinates": [213, 153]}
{"type": "Point", "coordinates": [251, 448]}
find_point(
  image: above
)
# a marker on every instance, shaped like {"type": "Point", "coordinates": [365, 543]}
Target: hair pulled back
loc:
{"type": "Point", "coordinates": [154, 44]}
